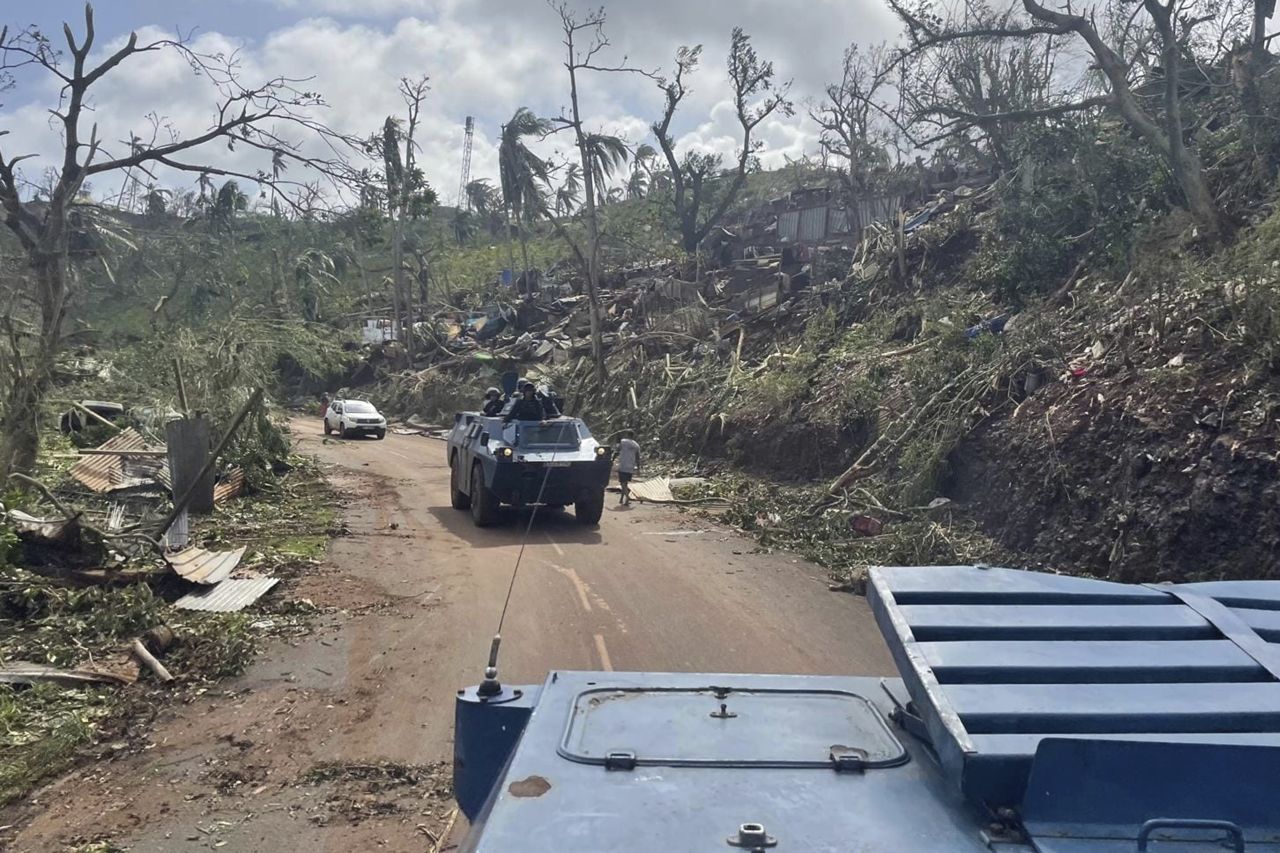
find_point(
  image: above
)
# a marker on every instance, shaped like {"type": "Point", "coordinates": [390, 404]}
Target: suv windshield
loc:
{"type": "Point", "coordinates": [360, 407]}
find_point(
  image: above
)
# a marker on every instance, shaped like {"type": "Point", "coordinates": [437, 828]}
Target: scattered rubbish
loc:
{"type": "Point", "coordinates": [42, 529]}
{"type": "Point", "coordinates": [205, 567]}
{"type": "Point", "coordinates": [98, 411]}
{"type": "Point", "coordinates": [995, 325]}
{"type": "Point", "coordinates": [229, 596]}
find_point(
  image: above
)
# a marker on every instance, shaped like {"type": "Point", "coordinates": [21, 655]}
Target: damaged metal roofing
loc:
{"type": "Point", "coordinates": [103, 472]}
{"type": "Point", "coordinates": [227, 597]}
{"type": "Point", "coordinates": [205, 567]}
{"type": "Point", "coordinates": [231, 487]}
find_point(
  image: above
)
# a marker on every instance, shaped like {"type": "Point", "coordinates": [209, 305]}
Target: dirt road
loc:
{"type": "Point", "coordinates": [412, 598]}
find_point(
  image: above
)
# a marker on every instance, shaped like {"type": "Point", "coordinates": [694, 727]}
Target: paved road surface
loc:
{"type": "Point", "coordinates": [418, 591]}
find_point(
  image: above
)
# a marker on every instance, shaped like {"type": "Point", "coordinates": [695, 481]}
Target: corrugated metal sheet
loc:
{"type": "Point", "coordinates": [871, 210]}
{"type": "Point", "coordinates": [788, 225]}
{"type": "Point", "coordinates": [101, 473]}
{"type": "Point", "coordinates": [205, 567]}
{"type": "Point", "coordinates": [838, 221]}
{"type": "Point", "coordinates": [812, 226]}
{"type": "Point", "coordinates": [179, 533]}
{"type": "Point", "coordinates": [228, 596]}
{"type": "Point", "coordinates": [657, 490]}
{"type": "Point", "coordinates": [232, 486]}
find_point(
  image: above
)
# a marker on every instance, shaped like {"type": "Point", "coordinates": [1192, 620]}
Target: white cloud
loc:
{"type": "Point", "coordinates": [484, 59]}
{"type": "Point", "coordinates": [364, 8]}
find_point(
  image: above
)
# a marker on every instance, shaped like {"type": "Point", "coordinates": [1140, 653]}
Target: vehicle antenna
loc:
{"type": "Point", "coordinates": [490, 686]}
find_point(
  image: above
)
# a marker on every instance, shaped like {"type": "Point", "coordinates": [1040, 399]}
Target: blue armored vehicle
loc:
{"type": "Point", "coordinates": [549, 463]}
{"type": "Point", "coordinates": [1034, 713]}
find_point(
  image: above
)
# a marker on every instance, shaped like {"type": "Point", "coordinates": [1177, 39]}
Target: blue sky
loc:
{"type": "Point", "coordinates": [484, 59]}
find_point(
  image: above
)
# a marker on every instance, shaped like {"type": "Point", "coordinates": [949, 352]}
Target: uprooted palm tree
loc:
{"type": "Point", "coordinates": [607, 155]}
{"type": "Point", "coordinates": [521, 172]}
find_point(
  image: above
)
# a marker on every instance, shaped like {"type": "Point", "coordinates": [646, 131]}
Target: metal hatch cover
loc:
{"type": "Point", "coordinates": [622, 727]}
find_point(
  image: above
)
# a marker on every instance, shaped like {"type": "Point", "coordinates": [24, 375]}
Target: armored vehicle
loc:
{"type": "Point", "coordinates": [551, 463]}
{"type": "Point", "coordinates": [1034, 713]}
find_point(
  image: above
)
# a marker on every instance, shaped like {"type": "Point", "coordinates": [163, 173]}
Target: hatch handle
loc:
{"type": "Point", "coordinates": [620, 760]}
{"type": "Point", "coordinates": [1233, 832]}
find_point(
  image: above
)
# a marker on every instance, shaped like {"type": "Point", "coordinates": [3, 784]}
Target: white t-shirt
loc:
{"type": "Point", "coordinates": [628, 455]}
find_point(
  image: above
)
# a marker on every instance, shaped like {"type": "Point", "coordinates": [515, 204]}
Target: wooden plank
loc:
{"type": "Point", "coordinates": [973, 584]}
{"type": "Point", "coordinates": [1087, 661]}
{"type": "Point", "coordinates": [1114, 708]}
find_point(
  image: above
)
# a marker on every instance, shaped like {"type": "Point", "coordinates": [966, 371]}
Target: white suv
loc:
{"type": "Point", "coordinates": [354, 417]}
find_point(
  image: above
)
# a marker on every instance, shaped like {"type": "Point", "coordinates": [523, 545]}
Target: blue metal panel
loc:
{"type": "Point", "coordinates": [485, 732]}
{"type": "Point", "coordinates": [1111, 789]}
{"type": "Point", "coordinates": [548, 804]}
{"type": "Point", "coordinates": [997, 659]}
{"type": "Point", "coordinates": [1089, 661]}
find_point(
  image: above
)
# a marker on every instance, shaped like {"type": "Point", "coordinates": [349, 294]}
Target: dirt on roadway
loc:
{"type": "Point", "coordinates": [340, 740]}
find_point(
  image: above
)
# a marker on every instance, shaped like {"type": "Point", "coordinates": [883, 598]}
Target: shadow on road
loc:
{"type": "Point", "coordinates": [558, 524]}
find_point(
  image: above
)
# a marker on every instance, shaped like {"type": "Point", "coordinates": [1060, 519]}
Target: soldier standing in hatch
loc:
{"type": "Point", "coordinates": [527, 407]}
{"type": "Point", "coordinates": [493, 403]}
{"type": "Point", "coordinates": [628, 464]}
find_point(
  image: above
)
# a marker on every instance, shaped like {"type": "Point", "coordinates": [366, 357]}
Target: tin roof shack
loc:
{"type": "Point", "coordinates": [812, 216]}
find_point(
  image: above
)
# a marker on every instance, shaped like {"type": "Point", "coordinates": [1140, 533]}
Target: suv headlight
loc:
{"type": "Point", "coordinates": [602, 451]}
{"type": "Point", "coordinates": [504, 453]}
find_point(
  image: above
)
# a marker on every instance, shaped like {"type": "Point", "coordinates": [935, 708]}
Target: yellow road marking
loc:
{"type": "Point", "coordinates": [578, 584]}
{"type": "Point", "coordinates": [605, 663]}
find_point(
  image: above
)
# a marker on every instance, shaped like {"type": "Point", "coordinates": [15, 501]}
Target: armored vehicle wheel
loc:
{"type": "Point", "coordinates": [589, 509]}
{"type": "Point", "coordinates": [484, 503]}
{"type": "Point", "coordinates": [458, 499]}
{"type": "Point", "coordinates": [327, 431]}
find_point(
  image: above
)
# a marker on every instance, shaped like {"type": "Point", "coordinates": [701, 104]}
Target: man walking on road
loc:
{"type": "Point", "coordinates": [628, 464]}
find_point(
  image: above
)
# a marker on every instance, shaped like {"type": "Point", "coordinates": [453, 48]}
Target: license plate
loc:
{"type": "Point", "coordinates": [559, 464]}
